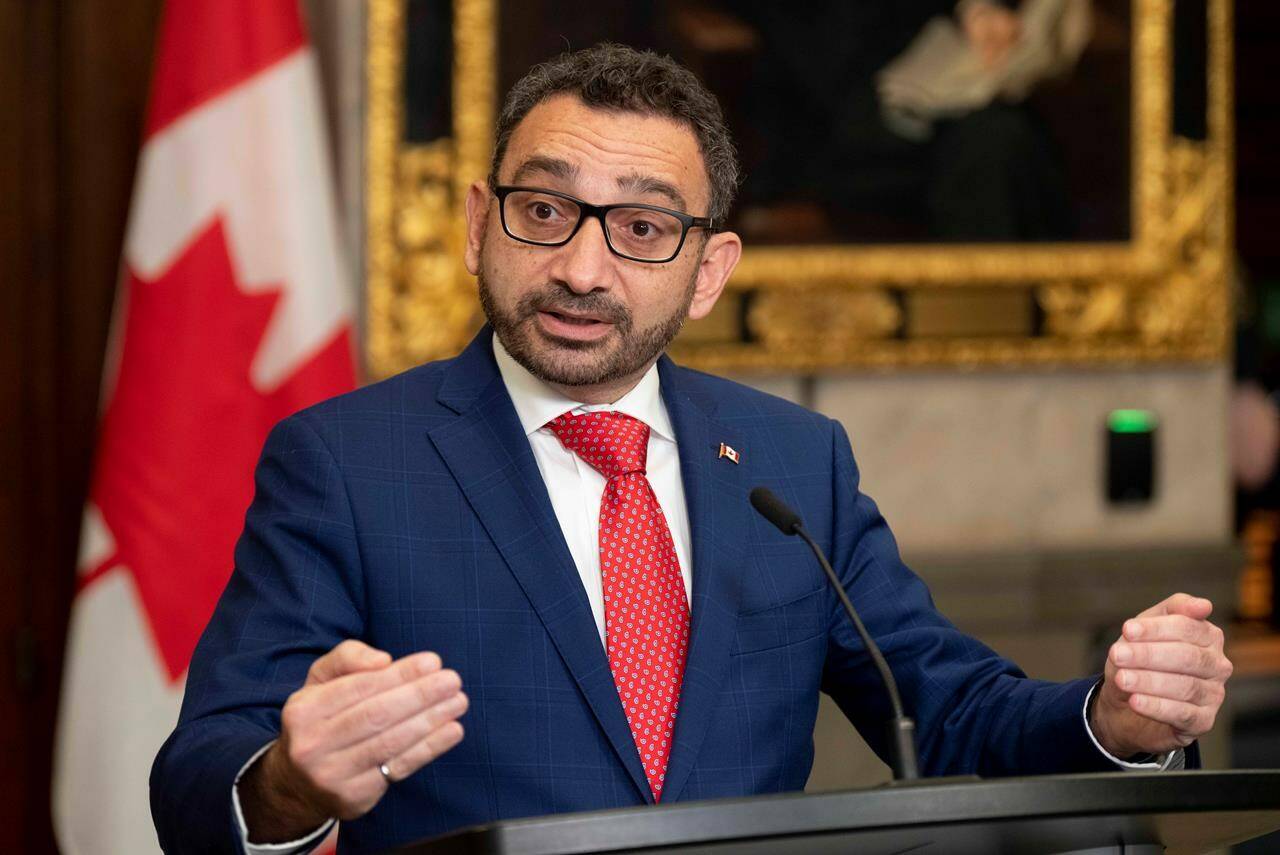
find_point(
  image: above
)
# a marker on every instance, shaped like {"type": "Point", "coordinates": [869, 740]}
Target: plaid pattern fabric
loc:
{"type": "Point", "coordinates": [411, 514]}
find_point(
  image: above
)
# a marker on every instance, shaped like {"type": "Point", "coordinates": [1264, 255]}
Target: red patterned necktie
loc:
{"type": "Point", "coordinates": [646, 612]}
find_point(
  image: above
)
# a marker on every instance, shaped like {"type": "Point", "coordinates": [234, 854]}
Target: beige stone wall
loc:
{"type": "Point", "coordinates": [975, 462]}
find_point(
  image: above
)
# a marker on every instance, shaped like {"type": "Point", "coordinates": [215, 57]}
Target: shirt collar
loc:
{"type": "Point", "coordinates": [537, 403]}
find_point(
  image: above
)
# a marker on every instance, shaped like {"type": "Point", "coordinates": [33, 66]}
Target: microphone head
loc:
{"type": "Point", "coordinates": [775, 510]}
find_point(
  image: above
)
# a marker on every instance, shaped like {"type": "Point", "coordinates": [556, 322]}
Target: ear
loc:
{"type": "Point", "coordinates": [719, 258]}
{"type": "Point", "coordinates": [478, 207]}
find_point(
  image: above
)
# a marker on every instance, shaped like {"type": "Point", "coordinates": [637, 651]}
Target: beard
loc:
{"type": "Point", "coordinates": [625, 351]}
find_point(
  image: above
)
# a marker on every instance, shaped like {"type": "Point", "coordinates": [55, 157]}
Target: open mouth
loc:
{"type": "Point", "coordinates": [574, 319]}
{"type": "Point", "coordinates": [578, 327]}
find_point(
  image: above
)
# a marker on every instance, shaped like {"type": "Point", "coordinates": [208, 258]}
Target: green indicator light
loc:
{"type": "Point", "coordinates": [1131, 421]}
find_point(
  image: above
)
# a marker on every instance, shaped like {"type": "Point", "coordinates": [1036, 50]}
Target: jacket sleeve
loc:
{"type": "Point", "coordinates": [975, 712]}
{"type": "Point", "coordinates": [296, 591]}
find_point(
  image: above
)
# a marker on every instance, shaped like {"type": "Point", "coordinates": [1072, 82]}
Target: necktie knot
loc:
{"type": "Point", "coordinates": [612, 443]}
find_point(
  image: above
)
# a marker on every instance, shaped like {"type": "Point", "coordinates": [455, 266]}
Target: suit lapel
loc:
{"type": "Point", "coordinates": [715, 491]}
{"type": "Point", "coordinates": [486, 450]}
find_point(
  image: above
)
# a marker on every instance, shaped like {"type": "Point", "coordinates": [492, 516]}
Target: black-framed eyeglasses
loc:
{"type": "Point", "coordinates": [633, 231]}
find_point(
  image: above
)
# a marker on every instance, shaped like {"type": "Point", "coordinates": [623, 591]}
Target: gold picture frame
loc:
{"type": "Point", "coordinates": [1161, 297]}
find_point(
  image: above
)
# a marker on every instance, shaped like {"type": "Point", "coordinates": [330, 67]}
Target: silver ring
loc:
{"type": "Point", "coordinates": [386, 773]}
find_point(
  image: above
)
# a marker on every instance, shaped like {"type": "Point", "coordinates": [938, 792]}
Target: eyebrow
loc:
{"type": "Point", "coordinates": [632, 182]}
{"type": "Point", "coordinates": [553, 166]}
{"type": "Point", "coordinates": [639, 184]}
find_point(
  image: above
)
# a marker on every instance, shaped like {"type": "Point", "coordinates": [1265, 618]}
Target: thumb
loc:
{"type": "Point", "coordinates": [346, 658]}
{"type": "Point", "coordinates": [1197, 608]}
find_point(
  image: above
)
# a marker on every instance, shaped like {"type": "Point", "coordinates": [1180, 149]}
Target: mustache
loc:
{"type": "Point", "coordinates": [559, 298]}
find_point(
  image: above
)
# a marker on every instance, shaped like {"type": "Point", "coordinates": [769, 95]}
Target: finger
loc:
{"type": "Point", "coordinates": [1173, 657]}
{"type": "Point", "coordinates": [343, 692]}
{"type": "Point", "coordinates": [425, 750]}
{"type": "Point", "coordinates": [1173, 627]}
{"type": "Point", "coordinates": [348, 657]}
{"type": "Point", "coordinates": [1187, 720]}
{"type": "Point", "coordinates": [1183, 604]}
{"type": "Point", "coordinates": [397, 740]}
{"type": "Point", "coordinates": [1174, 687]}
{"type": "Point", "coordinates": [389, 708]}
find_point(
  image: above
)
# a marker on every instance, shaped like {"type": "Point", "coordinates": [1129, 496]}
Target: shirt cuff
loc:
{"type": "Point", "coordinates": [1167, 762]}
{"type": "Point", "coordinates": [293, 847]}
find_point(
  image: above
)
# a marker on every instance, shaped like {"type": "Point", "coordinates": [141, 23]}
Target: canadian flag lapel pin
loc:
{"type": "Point", "coordinates": [727, 451]}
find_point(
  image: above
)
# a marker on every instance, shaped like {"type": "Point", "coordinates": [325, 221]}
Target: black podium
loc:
{"type": "Point", "coordinates": [1130, 813]}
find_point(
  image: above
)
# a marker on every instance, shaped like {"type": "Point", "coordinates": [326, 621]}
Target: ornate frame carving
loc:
{"type": "Point", "coordinates": [1163, 296]}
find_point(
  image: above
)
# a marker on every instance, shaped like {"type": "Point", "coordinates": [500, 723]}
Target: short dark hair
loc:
{"type": "Point", "coordinates": [617, 77]}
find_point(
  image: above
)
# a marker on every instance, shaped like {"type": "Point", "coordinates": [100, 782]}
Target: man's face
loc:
{"type": "Point", "coordinates": [579, 316]}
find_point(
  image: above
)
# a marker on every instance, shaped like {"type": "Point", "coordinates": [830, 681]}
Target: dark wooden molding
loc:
{"type": "Point", "coordinates": [73, 86]}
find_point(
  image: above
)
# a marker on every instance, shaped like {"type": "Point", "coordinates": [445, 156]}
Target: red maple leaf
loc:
{"type": "Point", "coordinates": [183, 431]}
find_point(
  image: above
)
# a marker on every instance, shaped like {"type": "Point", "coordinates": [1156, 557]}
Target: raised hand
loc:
{"type": "Point", "coordinates": [1164, 681]}
{"type": "Point", "coordinates": [357, 714]}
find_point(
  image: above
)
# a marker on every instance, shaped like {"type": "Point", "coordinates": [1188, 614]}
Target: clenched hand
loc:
{"type": "Point", "coordinates": [1164, 681]}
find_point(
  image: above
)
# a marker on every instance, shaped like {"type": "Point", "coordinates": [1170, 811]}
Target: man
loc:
{"type": "Point", "coordinates": [549, 537]}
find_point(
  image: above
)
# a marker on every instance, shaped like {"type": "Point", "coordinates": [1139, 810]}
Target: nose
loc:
{"type": "Point", "coordinates": [585, 263]}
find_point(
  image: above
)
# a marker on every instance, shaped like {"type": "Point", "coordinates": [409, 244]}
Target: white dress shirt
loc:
{"type": "Point", "coordinates": [576, 490]}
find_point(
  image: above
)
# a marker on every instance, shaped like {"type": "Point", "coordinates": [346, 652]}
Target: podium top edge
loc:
{"type": "Point", "coordinates": [924, 802]}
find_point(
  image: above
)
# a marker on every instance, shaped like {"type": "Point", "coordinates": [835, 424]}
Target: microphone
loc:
{"type": "Point", "coordinates": [902, 730]}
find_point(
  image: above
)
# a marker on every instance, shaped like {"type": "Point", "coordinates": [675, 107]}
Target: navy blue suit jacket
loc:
{"type": "Point", "coordinates": [411, 514]}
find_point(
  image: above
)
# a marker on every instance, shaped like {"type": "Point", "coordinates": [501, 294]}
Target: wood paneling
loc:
{"type": "Point", "coordinates": [73, 80]}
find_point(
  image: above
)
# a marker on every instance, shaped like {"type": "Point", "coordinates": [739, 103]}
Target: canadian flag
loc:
{"type": "Point", "coordinates": [232, 313]}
